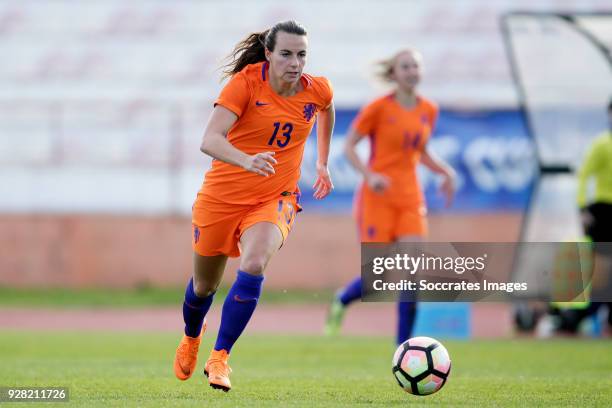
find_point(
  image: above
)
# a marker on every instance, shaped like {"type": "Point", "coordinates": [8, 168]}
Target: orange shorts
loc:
{"type": "Point", "coordinates": [381, 220]}
{"type": "Point", "coordinates": [217, 227]}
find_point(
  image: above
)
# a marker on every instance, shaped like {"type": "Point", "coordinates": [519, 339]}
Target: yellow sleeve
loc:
{"type": "Point", "coordinates": [589, 166]}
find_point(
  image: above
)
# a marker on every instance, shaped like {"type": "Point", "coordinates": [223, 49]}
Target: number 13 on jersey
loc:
{"type": "Point", "coordinates": [286, 134]}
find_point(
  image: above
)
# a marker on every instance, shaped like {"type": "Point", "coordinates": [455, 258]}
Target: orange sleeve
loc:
{"type": "Point", "coordinates": [236, 94]}
{"type": "Point", "coordinates": [366, 119]}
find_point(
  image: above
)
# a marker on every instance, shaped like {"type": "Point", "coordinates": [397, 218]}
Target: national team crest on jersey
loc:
{"type": "Point", "coordinates": [424, 119]}
{"type": "Point", "coordinates": [309, 111]}
{"type": "Point", "coordinates": [371, 231]}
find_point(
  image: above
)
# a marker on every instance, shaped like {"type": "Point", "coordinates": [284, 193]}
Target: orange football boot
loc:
{"type": "Point", "coordinates": [217, 370]}
{"type": "Point", "coordinates": [187, 355]}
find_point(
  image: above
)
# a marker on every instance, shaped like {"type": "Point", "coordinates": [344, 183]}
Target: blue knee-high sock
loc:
{"type": "Point", "coordinates": [351, 292]}
{"type": "Point", "coordinates": [194, 310]}
{"type": "Point", "coordinates": [238, 308]}
{"type": "Point", "coordinates": [406, 315]}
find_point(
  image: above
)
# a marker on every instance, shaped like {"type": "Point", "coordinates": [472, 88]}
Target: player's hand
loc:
{"type": "Point", "coordinates": [323, 186]}
{"type": "Point", "coordinates": [261, 163]}
{"type": "Point", "coordinates": [448, 188]}
{"type": "Point", "coordinates": [377, 182]}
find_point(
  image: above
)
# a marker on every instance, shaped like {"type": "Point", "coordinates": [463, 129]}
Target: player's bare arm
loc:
{"type": "Point", "coordinates": [325, 127]}
{"type": "Point", "coordinates": [376, 181]}
{"type": "Point", "coordinates": [439, 166]}
{"type": "Point", "coordinates": [215, 144]}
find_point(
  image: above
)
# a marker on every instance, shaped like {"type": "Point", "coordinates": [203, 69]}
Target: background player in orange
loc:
{"type": "Point", "coordinates": [247, 204]}
{"type": "Point", "coordinates": [389, 205]}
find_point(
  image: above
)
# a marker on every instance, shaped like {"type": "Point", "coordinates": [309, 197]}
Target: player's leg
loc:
{"type": "Point", "coordinates": [214, 238]}
{"type": "Point", "coordinates": [598, 226]}
{"type": "Point", "coordinates": [350, 292]}
{"type": "Point", "coordinates": [263, 232]}
{"type": "Point", "coordinates": [406, 317]}
{"type": "Point", "coordinates": [343, 298]}
{"type": "Point", "coordinates": [208, 271]}
{"type": "Point", "coordinates": [406, 305]}
{"type": "Point", "coordinates": [259, 243]}
{"type": "Point", "coordinates": [411, 227]}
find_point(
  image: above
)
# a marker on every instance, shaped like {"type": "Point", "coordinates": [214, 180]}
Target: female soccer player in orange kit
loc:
{"type": "Point", "coordinates": [248, 201]}
{"type": "Point", "coordinates": [389, 206]}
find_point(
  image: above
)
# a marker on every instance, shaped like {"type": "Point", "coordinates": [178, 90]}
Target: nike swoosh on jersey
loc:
{"type": "Point", "coordinates": [257, 103]}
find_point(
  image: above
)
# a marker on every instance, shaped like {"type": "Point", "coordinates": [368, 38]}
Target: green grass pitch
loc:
{"type": "Point", "coordinates": [133, 369]}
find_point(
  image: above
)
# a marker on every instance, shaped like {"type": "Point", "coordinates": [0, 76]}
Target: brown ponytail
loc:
{"type": "Point", "coordinates": [251, 50]}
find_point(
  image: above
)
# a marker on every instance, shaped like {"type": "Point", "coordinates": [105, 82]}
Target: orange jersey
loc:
{"type": "Point", "coordinates": [266, 122]}
{"type": "Point", "coordinates": [397, 138]}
